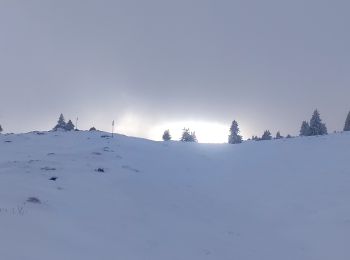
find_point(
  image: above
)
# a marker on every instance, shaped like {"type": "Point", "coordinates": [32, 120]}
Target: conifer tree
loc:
{"type": "Point", "coordinates": [69, 126]}
{"type": "Point", "coordinates": [316, 125]}
{"type": "Point", "coordinates": [1, 129]}
{"type": "Point", "coordinates": [234, 137]}
{"type": "Point", "coordinates": [61, 124]}
{"type": "Point", "coordinates": [188, 136]}
{"type": "Point", "coordinates": [255, 138]}
{"type": "Point", "coordinates": [278, 135]}
{"type": "Point", "coordinates": [166, 135]}
{"type": "Point", "coordinates": [304, 129]}
{"type": "Point", "coordinates": [347, 123]}
{"type": "Point", "coordinates": [194, 137]}
{"type": "Point", "coordinates": [266, 135]}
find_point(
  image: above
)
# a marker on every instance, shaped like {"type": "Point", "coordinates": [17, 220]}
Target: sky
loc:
{"type": "Point", "coordinates": [156, 65]}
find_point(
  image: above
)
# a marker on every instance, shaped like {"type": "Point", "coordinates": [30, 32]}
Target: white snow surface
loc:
{"type": "Point", "coordinates": [271, 200]}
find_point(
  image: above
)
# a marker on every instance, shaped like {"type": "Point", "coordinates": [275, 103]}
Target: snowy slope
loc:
{"type": "Point", "coordinates": [284, 199]}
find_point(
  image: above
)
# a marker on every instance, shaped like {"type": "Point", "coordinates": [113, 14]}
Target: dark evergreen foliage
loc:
{"type": "Point", "coordinates": [234, 137]}
{"type": "Point", "coordinates": [347, 123]}
{"type": "Point", "coordinates": [278, 135]}
{"type": "Point", "coordinates": [188, 136]}
{"type": "Point", "coordinates": [316, 125]}
{"type": "Point", "coordinates": [166, 135]}
{"type": "Point", "coordinates": [69, 126]}
{"type": "Point", "coordinates": [61, 124]}
{"type": "Point", "coordinates": [266, 135]}
{"type": "Point", "coordinates": [304, 129]}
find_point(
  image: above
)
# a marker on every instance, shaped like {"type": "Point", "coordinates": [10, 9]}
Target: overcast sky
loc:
{"type": "Point", "coordinates": [152, 65]}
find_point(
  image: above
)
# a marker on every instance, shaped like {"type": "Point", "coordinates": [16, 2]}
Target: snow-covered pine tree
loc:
{"type": "Point", "coordinates": [266, 135]}
{"type": "Point", "coordinates": [188, 136]}
{"type": "Point", "coordinates": [234, 137]}
{"type": "Point", "coordinates": [194, 137]}
{"type": "Point", "coordinates": [69, 126]}
{"type": "Point", "coordinates": [255, 138]}
{"type": "Point", "coordinates": [316, 125]}
{"type": "Point", "coordinates": [304, 129]}
{"type": "Point", "coordinates": [278, 135]}
{"type": "Point", "coordinates": [347, 123]}
{"type": "Point", "coordinates": [166, 135]}
{"type": "Point", "coordinates": [61, 124]}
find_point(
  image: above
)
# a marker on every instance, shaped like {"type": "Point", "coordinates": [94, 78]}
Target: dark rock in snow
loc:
{"type": "Point", "coordinates": [33, 200]}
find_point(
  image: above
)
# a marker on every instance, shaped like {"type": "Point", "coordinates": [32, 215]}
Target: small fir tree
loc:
{"type": "Point", "coordinates": [188, 136]}
{"type": "Point", "coordinates": [347, 123]}
{"type": "Point", "coordinates": [166, 135]}
{"type": "Point", "coordinates": [304, 129]}
{"type": "Point", "coordinates": [61, 124]}
{"type": "Point", "coordinates": [278, 135]}
{"type": "Point", "coordinates": [234, 137]}
{"type": "Point", "coordinates": [194, 137]}
{"type": "Point", "coordinates": [69, 126]}
{"type": "Point", "coordinates": [316, 125]}
{"type": "Point", "coordinates": [266, 135]}
{"type": "Point", "coordinates": [1, 129]}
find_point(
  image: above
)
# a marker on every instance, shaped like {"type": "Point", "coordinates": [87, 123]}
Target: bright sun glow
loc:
{"type": "Point", "coordinates": [206, 132]}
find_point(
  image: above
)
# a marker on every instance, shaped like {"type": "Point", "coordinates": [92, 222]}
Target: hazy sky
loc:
{"type": "Point", "coordinates": [153, 65]}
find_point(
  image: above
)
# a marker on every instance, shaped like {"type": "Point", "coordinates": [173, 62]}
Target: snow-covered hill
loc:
{"type": "Point", "coordinates": [133, 199]}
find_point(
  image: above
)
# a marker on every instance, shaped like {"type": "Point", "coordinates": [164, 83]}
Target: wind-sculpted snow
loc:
{"type": "Point", "coordinates": [81, 196]}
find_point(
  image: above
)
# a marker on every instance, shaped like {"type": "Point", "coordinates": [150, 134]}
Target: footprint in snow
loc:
{"type": "Point", "coordinates": [127, 167]}
{"type": "Point", "coordinates": [48, 169]}
{"type": "Point", "coordinates": [107, 149]}
{"type": "Point", "coordinates": [33, 161]}
{"type": "Point", "coordinates": [207, 252]}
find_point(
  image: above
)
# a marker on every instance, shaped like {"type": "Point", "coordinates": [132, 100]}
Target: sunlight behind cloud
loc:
{"type": "Point", "coordinates": [206, 132]}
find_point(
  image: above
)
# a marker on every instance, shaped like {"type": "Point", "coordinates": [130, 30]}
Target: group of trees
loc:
{"type": "Point", "coordinates": [186, 136]}
{"type": "Point", "coordinates": [314, 127]}
{"type": "Point", "coordinates": [267, 136]}
{"type": "Point", "coordinates": [62, 125]}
